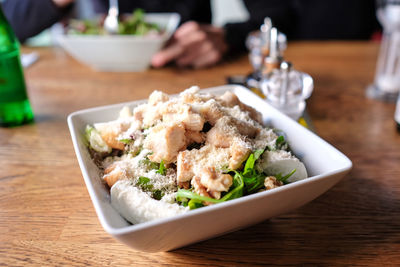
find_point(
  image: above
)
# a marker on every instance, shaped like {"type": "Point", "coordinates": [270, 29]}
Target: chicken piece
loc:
{"type": "Point", "coordinates": [191, 95]}
{"type": "Point", "coordinates": [184, 167]}
{"type": "Point", "coordinates": [166, 140]}
{"type": "Point", "coordinates": [207, 181]}
{"type": "Point", "coordinates": [227, 128]}
{"type": "Point", "coordinates": [227, 134]}
{"type": "Point", "coordinates": [193, 121]}
{"type": "Point", "coordinates": [147, 115]}
{"type": "Point", "coordinates": [157, 97]}
{"type": "Point", "coordinates": [194, 137]}
{"type": "Point", "coordinates": [112, 174]}
{"type": "Point", "coordinates": [271, 182]}
{"type": "Point", "coordinates": [211, 111]}
{"type": "Point", "coordinates": [214, 180]}
{"type": "Point", "coordinates": [184, 185]}
{"type": "Point", "coordinates": [151, 116]}
{"type": "Point", "coordinates": [239, 151]}
{"type": "Point", "coordinates": [202, 190]}
{"type": "Point", "coordinates": [245, 128]}
{"type": "Point", "coordinates": [237, 127]}
{"type": "Point", "coordinates": [125, 113]}
{"type": "Point", "coordinates": [218, 138]}
{"type": "Point", "coordinates": [199, 188]}
{"type": "Point", "coordinates": [223, 132]}
{"type": "Point", "coordinates": [229, 99]}
{"type": "Point", "coordinates": [170, 108]}
{"type": "Point", "coordinates": [190, 163]}
{"type": "Point", "coordinates": [109, 132]}
{"type": "Point", "coordinates": [138, 112]}
{"type": "Point", "coordinates": [214, 194]}
{"type": "Point", "coordinates": [253, 113]}
{"type": "Point", "coordinates": [178, 112]}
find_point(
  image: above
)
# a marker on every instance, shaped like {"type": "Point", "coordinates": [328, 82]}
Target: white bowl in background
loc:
{"type": "Point", "coordinates": [120, 52]}
{"type": "Point", "coordinates": [325, 165]}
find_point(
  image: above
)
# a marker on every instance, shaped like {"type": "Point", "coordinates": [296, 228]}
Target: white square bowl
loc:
{"type": "Point", "coordinates": [119, 53]}
{"type": "Point", "coordinates": [325, 165]}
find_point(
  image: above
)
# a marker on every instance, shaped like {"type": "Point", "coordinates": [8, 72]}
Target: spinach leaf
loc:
{"type": "Point", "coordinates": [252, 179]}
{"type": "Point", "coordinates": [254, 183]}
{"type": "Point", "coordinates": [248, 167]}
{"type": "Point", "coordinates": [281, 144]}
{"type": "Point", "coordinates": [283, 179]}
{"type": "Point", "coordinates": [194, 204]}
{"type": "Point", "coordinates": [162, 170]}
{"type": "Point", "coordinates": [150, 164]}
{"type": "Point", "coordinates": [196, 201]}
{"type": "Point", "coordinates": [144, 183]}
{"type": "Point", "coordinates": [184, 193]}
{"type": "Point", "coordinates": [247, 181]}
{"type": "Point", "coordinates": [157, 194]}
{"type": "Point", "coordinates": [251, 160]}
{"type": "Point", "coordinates": [126, 141]}
{"type": "Point", "coordinates": [258, 153]}
{"type": "Point", "coordinates": [182, 200]}
{"type": "Point", "coordinates": [237, 188]}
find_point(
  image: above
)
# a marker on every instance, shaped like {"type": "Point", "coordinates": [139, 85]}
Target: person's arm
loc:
{"type": "Point", "coordinates": [193, 45]}
{"type": "Point", "coordinates": [202, 45]}
{"type": "Point", "coordinates": [30, 17]}
{"type": "Point", "coordinates": [280, 12]}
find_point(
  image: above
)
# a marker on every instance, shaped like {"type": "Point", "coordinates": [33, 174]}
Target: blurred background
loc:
{"type": "Point", "coordinates": [223, 11]}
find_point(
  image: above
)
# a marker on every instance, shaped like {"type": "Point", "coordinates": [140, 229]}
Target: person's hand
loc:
{"type": "Point", "coordinates": [62, 3]}
{"type": "Point", "coordinates": [193, 45]}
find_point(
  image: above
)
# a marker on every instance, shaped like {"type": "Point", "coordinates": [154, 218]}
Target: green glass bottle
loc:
{"type": "Point", "coordinates": [14, 103]}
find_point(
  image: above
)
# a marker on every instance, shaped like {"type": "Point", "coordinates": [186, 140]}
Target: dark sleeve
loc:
{"type": "Point", "coordinates": [279, 11]}
{"type": "Point", "coordinates": [30, 17]}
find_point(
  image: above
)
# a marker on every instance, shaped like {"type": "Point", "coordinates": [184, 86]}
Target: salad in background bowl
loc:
{"type": "Point", "coordinates": [132, 24]}
{"type": "Point", "coordinates": [140, 36]}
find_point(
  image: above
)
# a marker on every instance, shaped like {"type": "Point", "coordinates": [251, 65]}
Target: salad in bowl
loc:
{"type": "Point", "coordinates": [139, 37]}
{"type": "Point", "coordinates": [172, 155]}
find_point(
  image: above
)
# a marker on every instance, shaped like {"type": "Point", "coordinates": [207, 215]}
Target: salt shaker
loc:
{"type": "Point", "coordinates": [287, 89]}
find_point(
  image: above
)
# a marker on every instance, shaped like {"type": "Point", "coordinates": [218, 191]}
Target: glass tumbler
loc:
{"type": "Point", "coordinates": [387, 77]}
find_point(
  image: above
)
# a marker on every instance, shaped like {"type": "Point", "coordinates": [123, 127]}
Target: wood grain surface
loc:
{"type": "Point", "coordinates": [47, 218]}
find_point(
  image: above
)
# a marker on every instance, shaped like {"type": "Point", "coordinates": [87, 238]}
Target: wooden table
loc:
{"type": "Point", "coordinates": [47, 218]}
